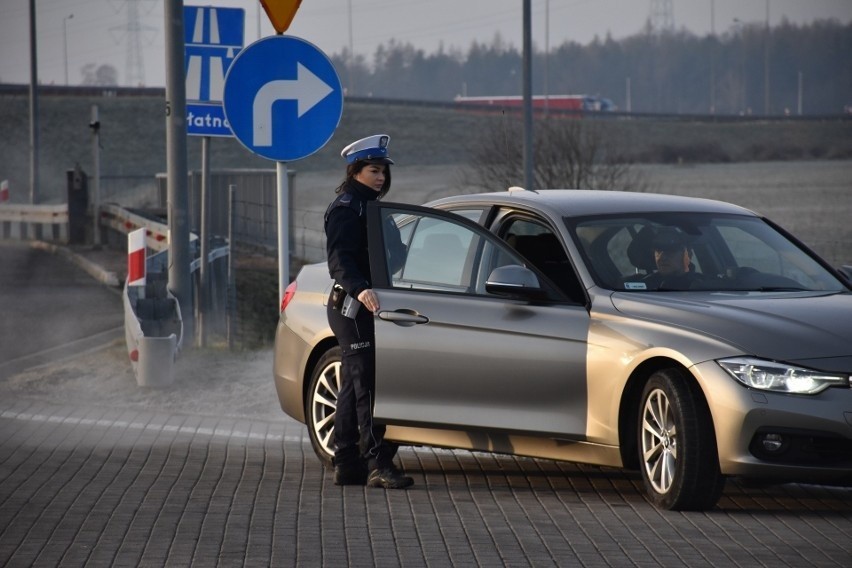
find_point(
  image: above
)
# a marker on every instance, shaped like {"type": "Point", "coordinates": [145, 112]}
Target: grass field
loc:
{"type": "Point", "coordinates": [132, 139]}
{"type": "Point", "coordinates": [798, 173]}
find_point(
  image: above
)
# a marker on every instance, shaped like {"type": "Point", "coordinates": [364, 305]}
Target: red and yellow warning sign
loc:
{"type": "Point", "coordinates": [281, 12]}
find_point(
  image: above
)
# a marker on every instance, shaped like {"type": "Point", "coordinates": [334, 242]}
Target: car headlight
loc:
{"type": "Point", "coordinates": [780, 377]}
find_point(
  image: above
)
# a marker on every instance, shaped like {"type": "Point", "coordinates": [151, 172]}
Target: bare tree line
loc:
{"type": "Point", "coordinates": [567, 153]}
{"type": "Point", "coordinates": [671, 73]}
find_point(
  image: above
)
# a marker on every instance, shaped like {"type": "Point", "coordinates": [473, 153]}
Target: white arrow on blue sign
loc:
{"type": "Point", "coordinates": [283, 98]}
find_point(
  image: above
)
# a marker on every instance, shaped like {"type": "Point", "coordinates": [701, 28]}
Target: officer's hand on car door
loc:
{"type": "Point", "coordinates": [369, 299]}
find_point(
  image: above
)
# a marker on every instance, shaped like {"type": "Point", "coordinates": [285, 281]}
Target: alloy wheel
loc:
{"type": "Point", "coordinates": [324, 405]}
{"type": "Point", "coordinates": [659, 441]}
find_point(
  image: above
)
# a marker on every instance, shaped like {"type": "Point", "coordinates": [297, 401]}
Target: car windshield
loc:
{"type": "Point", "coordinates": [691, 251]}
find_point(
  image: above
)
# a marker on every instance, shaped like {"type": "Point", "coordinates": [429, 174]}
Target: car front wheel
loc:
{"type": "Point", "coordinates": [680, 465]}
{"type": "Point", "coordinates": [321, 404]}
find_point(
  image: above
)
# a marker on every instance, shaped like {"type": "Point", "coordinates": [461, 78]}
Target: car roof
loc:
{"type": "Point", "coordinates": [582, 202]}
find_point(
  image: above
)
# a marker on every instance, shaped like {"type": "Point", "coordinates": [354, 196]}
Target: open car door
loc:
{"type": "Point", "coordinates": [467, 336]}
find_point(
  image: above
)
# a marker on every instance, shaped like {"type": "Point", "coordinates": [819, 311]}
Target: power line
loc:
{"type": "Point", "coordinates": [662, 16]}
{"type": "Point", "coordinates": [132, 33]}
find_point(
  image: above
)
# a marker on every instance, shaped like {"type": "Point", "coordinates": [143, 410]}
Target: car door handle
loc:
{"type": "Point", "coordinates": [404, 318]}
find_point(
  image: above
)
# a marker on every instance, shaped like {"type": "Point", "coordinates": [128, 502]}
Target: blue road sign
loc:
{"type": "Point", "coordinates": [283, 98]}
{"type": "Point", "coordinates": [206, 119]}
{"type": "Point", "coordinates": [213, 37]}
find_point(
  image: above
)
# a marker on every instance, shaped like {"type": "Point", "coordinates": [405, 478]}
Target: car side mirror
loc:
{"type": "Point", "coordinates": [846, 271]}
{"type": "Point", "coordinates": [514, 281]}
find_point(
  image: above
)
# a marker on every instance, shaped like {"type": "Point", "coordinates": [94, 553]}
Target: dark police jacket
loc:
{"type": "Point", "coordinates": [346, 238]}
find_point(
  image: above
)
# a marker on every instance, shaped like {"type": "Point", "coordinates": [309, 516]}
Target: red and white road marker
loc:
{"type": "Point", "coordinates": [136, 257]}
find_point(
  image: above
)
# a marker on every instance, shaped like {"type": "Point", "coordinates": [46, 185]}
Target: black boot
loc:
{"type": "Point", "coordinates": [352, 473]}
{"type": "Point", "coordinates": [389, 477]}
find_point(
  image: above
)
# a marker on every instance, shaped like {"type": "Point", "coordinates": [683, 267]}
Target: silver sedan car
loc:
{"type": "Point", "coordinates": [548, 324]}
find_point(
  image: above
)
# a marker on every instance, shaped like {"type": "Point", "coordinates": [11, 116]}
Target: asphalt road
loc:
{"type": "Point", "coordinates": [50, 306]}
{"type": "Point", "coordinates": [96, 471]}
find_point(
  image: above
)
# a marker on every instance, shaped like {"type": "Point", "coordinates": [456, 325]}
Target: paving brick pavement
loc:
{"type": "Point", "coordinates": [90, 485]}
{"type": "Point", "coordinates": [94, 472]}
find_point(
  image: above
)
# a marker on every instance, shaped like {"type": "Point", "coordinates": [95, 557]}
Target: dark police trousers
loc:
{"type": "Point", "coordinates": [355, 435]}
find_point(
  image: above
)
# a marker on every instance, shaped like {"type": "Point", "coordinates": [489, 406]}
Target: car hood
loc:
{"type": "Point", "coordinates": [810, 329]}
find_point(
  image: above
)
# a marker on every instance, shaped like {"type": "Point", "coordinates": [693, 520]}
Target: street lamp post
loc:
{"type": "Point", "coordinates": [546, 57]}
{"type": "Point", "coordinates": [743, 88]}
{"type": "Point", "coordinates": [766, 63]}
{"type": "Point", "coordinates": [65, 42]}
{"type": "Point", "coordinates": [351, 60]}
{"type": "Point", "coordinates": [527, 91]}
{"type": "Point", "coordinates": [712, 57]}
{"type": "Point", "coordinates": [34, 183]}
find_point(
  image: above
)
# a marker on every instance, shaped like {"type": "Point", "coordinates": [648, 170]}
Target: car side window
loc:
{"type": "Point", "coordinates": [444, 255]}
{"type": "Point", "coordinates": [438, 252]}
{"type": "Point", "coordinates": [537, 243]}
{"type": "Point", "coordinates": [476, 214]}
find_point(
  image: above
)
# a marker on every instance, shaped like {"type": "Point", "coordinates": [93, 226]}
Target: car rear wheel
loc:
{"type": "Point", "coordinates": [321, 404]}
{"type": "Point", "coordinates": [680, 465]}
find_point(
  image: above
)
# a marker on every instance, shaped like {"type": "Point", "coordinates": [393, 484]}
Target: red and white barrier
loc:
{"type": "Point", "coordinates": [136, 257]}
{"type": "Point", "coordinates": [116, 217]}
{"type": "Point", "coordinates": [34, 222]}
{"type": "Point", "coordinates": [4, 190]}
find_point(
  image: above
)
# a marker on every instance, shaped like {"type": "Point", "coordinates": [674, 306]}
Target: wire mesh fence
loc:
{"type": "Point", "coordinates": [253, 300]}
{"type": "Point", "coordinates": [244, 210]}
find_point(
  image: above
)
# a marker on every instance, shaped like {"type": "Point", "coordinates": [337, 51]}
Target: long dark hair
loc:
{"type": "Point", "coordinates": [354, 168]}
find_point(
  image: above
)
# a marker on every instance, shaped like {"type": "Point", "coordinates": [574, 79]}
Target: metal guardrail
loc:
{"type": "Point", "coordinates": [153, 323]}
{"type": "Point", "coordinates": [49, 225]}
{"type": "Point", "coordinates": [254, 211]}
{"type": "Point", "coordinates": [34, 222]}
{"type": "Point", "coordinates": [159, 92]}
{"type": "Point", "coordinates": [153, 326]}
{"type": "Point", "coordinates": [214, 254]}
{"type": "Point", "coordinates": [124, 221]}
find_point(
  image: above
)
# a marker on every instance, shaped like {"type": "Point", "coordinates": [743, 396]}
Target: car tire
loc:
{"type": "Point", "coordinates": [677, 446]}
{"type": "Point", "coordinates": [321, 404]}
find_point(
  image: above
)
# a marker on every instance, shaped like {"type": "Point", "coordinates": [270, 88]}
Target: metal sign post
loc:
{"type": "Point", "coordinates": [203, 302]}
{"type": "Point", "coordinates": [213, 37]}
{"type": "Point", "coordinates": [180, 283]}
{"type": "Point", "coordinates": [95, 125]}
{"type": "Point", "coordinates": [283, 194]}
{"type": "Point", "coordinates": [34, 126]}
{"type": "Point", "coordinates": [283, 100]}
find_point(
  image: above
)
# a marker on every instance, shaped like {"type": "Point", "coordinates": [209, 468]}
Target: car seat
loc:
{"type": "Point", "coordinates": [545, 252]}
{"type": "Point", "coordinates": [640, 250]}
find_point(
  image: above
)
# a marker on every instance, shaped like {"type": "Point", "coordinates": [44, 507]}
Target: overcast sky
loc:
{"type": "Point", "coordinates": [98, 30]}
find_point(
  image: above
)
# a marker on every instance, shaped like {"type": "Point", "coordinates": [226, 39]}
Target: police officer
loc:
{"type": "Point", "coordinates": [361, 456]}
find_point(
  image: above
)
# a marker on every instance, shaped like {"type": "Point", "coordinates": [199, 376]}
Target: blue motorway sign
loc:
{"type": "Point", "coordinates": [213, 37]}
{"type": "Point", "coordinates": [283, 98]}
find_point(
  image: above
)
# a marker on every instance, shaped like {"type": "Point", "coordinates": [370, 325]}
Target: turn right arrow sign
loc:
{"type": "Point", "coordinates": [283, 98]}
{"type": "Point", "coordinates": [307, 90]}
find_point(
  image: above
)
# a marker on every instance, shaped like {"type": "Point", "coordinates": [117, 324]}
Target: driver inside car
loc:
{"type": "Point", "coordinates": [672, 257]}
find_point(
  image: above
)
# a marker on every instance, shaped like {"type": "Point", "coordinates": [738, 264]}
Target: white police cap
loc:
{"type": "Point", "coordinates": [372, 149]}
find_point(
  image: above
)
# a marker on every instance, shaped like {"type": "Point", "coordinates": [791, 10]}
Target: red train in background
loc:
{"type": "Point", "coordinates": [540, 103]}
